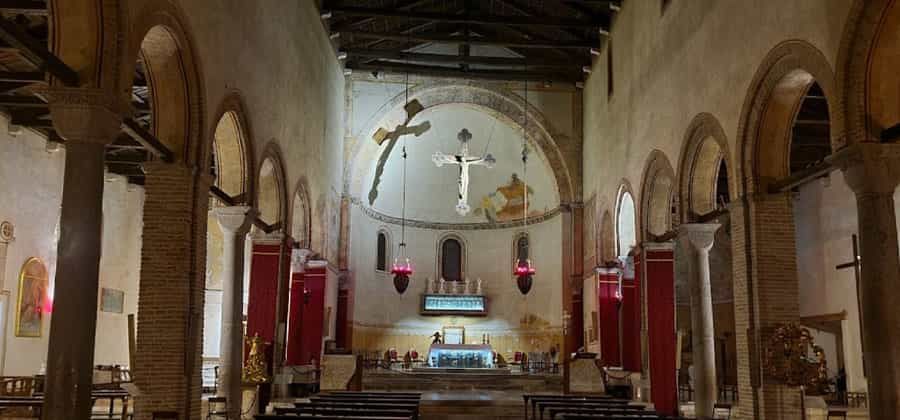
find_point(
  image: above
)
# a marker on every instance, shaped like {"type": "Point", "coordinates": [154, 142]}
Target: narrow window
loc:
{"type": "Point", "coordinates": [609, 69]}
{"type": "Point", "coordinates": [381, 262]}
{"type": "Point", "coordinates": [451, 260]}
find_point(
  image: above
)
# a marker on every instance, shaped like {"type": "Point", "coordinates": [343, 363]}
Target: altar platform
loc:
{"type": "Point", "coordinates": [438, 379]}
{"type": "Point", "coordinates": [471, 405]}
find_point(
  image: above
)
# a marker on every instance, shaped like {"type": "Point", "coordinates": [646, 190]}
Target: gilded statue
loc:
{"type": "Point", "coordinates": [255, 368]}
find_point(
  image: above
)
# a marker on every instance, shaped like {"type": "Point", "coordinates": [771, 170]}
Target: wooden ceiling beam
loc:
{"type": "Point", "coordinates": [489, 41]}
{"type": "Point", "coordinates": [24, 7]}
{"type": "Point", "coordinates": [464, 59]}
{"type": "Point", "coordinates": [449, 72]}
{"type": "Point", "coordinates": [148, 140]}
{"type": "Point", "coordinates": [476, 19]}
{"type": "Point", "coordinates": [37, 53]}
{"type": "Point", "coordinates": [404, 6]}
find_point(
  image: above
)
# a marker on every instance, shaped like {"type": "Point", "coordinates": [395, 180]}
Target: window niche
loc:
{"type": "Point", "coordinates": [382, 253]}
{"type": "Point", "coordinates": [451, 263]}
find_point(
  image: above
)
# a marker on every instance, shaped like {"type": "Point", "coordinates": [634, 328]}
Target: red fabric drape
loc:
{"type": "Point", "coordinates": [660, 278]}
{"type": "Point", "coordinates": [631, 322]}
{"type": "Point", "coordinates": [304, 342]}
{"type": "Point", "coordinates": [608, 312]}
{"type": "Point", "coordinates": [263, 292]}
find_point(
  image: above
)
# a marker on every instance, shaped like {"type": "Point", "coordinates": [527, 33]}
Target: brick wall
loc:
{"type": "Point", "coordinates": [169, 330]}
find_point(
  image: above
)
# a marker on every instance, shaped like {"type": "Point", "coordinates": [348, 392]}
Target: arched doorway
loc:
{"type": "Point", "coordinates": [704, 196]}
{"type": "Point", "coordinates": [785, 129]}
{"type": "Point", "coordinates": [654, 266]}
{"type": "Point", "coordinates": [871, 112]}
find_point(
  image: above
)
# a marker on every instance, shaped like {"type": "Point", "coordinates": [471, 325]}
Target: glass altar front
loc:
{"type": "Point", "coordinates": [461, 356]}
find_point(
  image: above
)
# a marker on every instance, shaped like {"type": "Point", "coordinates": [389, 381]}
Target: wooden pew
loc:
{"type": "Point", "coordinates": [347, 412]}
{"type": "Point", "coordinates": [534, 398]}
{"type": "Point", "coordinates": [557, 412]}
{"type": "Point", "coordinates": [543, 405]}
{"type": "Point", "coordinates": [294, 417]}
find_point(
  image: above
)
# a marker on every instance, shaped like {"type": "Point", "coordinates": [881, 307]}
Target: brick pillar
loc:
{"type": "Point", "coordinates": [235, 223]}
{"type": "Point", "coordinates": [766, 293]}
{"type": "Point", "coordinates": [700, 237]}
{"type": "Point", "coordinates": [86, 120]}
{"type": "Point", "coordinates": [170, 303]}
{"type": "Point", "coordinates": [873, 172]}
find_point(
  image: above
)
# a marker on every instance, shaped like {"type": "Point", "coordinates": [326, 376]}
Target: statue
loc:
{"type": "Point", "coordinates": [463, 160]}
{"type": "Point", "coordinates": [437, 338]}
{"type": "Point", "coordinates": [255, 367]}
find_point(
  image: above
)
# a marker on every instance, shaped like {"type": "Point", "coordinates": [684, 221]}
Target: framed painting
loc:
{"type": "Point", "coordinates": [112, 300]}
{"type": "Point", "coordinates": [454, 335]}
{"type": "Point", "coordinates": [30, 306]}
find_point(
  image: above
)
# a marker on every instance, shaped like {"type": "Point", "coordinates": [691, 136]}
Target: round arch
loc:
{"type": "Point", "coordinates": [501, 103]}
{"type": "Point", "coordinates": [159, 37]}
{"type": "Point", "coordinates": [270, 191]}
{"type": "Point", "coordinates": [231, 151]}
{"type": "Point", "coordinates": [867, 83]}
{"type": "Point", "coordinates": [79, 38]}
{"type": "Point", "coordinates": [775, 95]}
{"type": "Point", "coordinates": [657, 196]}
{"type": "Point", "coordinates": [626, 219]}
{"type": "Point", "coordinates": [705, 148]}
{"type": "Point", "coordinates": [607, 238]}
{"type": "Point", "coordinates": [301, 215]}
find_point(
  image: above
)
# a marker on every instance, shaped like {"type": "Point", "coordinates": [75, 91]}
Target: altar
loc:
{"type": "Point", "coordinates": [461, 356]}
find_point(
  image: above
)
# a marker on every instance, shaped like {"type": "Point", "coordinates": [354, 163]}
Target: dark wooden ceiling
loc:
{"type": "Point", "coordinates": [534, 40]}
{"type": "Point", "coordinates": [26, 63]}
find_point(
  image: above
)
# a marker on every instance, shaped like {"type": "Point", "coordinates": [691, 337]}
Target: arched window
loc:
{"type": "Point", "coordinates": [381, 258]}
{"type": "Point", "coordinates": [452, 260]}
{"type": "Point", "coordinates": [625, 226]}
{"type": "Point", "coordinates": [522, 245]}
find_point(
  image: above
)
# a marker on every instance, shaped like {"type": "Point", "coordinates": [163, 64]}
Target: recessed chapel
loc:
{"type": "Point", "coordinates": [449, 209]}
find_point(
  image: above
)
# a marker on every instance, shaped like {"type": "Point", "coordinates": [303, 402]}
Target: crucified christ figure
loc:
{"type": "Point", "coordinates": [464, 161]}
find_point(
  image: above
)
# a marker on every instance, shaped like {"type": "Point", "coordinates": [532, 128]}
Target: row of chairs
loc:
{"type": "Point", "coordinates": [575, 407]}
{"type": "Point", "coordinates": [354, 405]}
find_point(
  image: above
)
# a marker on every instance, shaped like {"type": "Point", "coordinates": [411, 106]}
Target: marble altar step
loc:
{"type": "Point", "coordinates": [460, 381]}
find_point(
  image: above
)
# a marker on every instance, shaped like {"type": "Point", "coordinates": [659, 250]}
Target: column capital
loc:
{"type": "Point", "coordinates": [870, 168]}
{"type": "Point", "coordinates": [260, 236]}
{"type": "Point", "coordinates": [700, 235]}
{"type": "Point", "coordinates": [234, 219]}
{"type": "Point", "coordinates": [299, 257]}
{"type": "Point", "coordinates": [657, 246]}
{"type": "Point", "coordinates": [84, 115]}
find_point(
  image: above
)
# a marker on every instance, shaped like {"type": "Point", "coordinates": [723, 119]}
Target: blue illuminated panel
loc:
{"type": "Point", "coordinates": [453, 304]}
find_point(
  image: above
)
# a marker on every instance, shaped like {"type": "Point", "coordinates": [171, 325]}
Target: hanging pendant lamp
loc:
{"type": "Point", "coordinates": [402, 269]}
{"type": "Point", "coordinates": [524, 269]}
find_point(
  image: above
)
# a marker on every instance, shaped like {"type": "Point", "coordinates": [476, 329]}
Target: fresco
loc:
{"type": "Point", "coordinates": [507, 202]}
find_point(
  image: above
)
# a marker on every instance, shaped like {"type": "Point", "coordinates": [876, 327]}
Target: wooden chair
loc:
{"type": "Point", "coordinates": [217, 408]}
{"type": "Point", "coordinates": [841, 414]}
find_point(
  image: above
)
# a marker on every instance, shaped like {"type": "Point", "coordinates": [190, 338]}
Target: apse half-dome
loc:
{"type": "Point", "coordinates": [494, 194]}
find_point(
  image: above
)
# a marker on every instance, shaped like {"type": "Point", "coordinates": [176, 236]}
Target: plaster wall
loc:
{"type": "Point", "coordinates": [280, 60]}
{"type": "Point", "coordinates": [825, 217]}
{"type": "Point", "coordinates": [32, 183]}
{"type": "Point", "coordinates": [697, 56]}
{"type": "Point", "coordinates": [384, 319]}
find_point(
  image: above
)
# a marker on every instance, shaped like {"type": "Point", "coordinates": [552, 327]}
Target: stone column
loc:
{"type": "Point", "coordinates": [235, 223]}
{"type": "Point", "coordinates": [85, 118]}
{"type": "Point", "coordinates": [873, 172]}
{"type": "Point", "coordinates": [700, 236]}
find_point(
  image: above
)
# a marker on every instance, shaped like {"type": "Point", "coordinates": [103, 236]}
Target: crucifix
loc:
{"type": "Point", "coordinates": [855, 264]}
{"type": "Point", "coordinates": [383, 135]}
{"type": "Point", "coordinates": [464, 161]}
